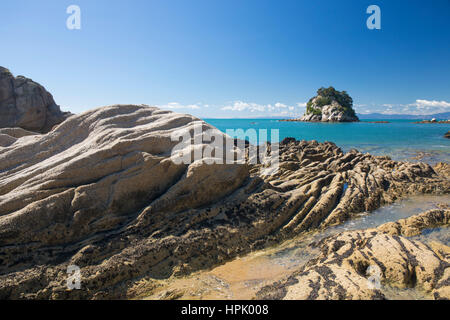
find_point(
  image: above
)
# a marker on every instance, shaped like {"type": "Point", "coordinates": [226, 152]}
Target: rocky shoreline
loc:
{"type": "Point", "coordinates": [345, 267]}
{"type": "Point", "coordinates": [296, 268]}
{"type": "Point", "coordinates": [105, 192]}
{"type": "Point", "coordinates": [100, 191]}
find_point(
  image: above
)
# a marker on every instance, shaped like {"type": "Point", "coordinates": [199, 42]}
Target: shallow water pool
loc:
{"type": "Point", "coordinates": [242, 277]}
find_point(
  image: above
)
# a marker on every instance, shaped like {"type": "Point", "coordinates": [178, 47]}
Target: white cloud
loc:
{"type": "Point", "coordinates": [177, 105]}
{"type": "Point", "coordinates": [427, 103]}
{"type": "Point", "coordinates": [245, 106]}
{"type": "Point", "coordinates": [280, 105]}
{"type": "Point", "coordinates": [254, 107]}
{"type": "Point", "coordinates": [278, 108]}
{"type": "Point", "coordinates": [419, 107]}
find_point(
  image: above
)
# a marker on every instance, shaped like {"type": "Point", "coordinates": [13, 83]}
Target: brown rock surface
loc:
{"type": "Point", "coordinates": [26, 104]}
{"type": "Point", "coordinates": [414, 225]}
{"type": "Point", "coordinates": [101, 191]}
{"type": "Point", "coordinates": [443, 169]}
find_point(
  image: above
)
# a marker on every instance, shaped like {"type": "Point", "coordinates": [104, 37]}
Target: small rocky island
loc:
{"type": "Point", "coordinates": [329, 105]}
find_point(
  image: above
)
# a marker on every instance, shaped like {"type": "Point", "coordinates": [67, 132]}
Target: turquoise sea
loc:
{"type": "Point", "coordinates": [399, 139]}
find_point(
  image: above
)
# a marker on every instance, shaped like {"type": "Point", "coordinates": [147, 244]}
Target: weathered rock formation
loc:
{"type": "Point", "coordinates": [443, 169]}
{"type": "Point", "coordinates": [362, 264]}
{"type": "Point", "coordinates": [26, 104]}
{"type": "Point", "coordinates": [330, 105]}
{"type": "Point", "coordinates": [101, 191]}
{"type": "Point", "coordinates": [414, 225]}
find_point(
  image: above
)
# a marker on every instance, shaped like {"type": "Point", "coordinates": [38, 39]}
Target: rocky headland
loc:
{"type": "Point", "coordinates": [329, 105]}
{"type": "Point", "coordinates": [27, 105]}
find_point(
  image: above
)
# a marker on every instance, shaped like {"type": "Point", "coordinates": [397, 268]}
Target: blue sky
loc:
{"type": "Point", "coordinates": [246, 58]}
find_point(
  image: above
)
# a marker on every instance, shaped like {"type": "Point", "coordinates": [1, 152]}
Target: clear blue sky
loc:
{"type": "Point", "coordinates": [230, 58]}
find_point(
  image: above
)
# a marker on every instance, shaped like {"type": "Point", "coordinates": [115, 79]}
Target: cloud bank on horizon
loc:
{"type": "Point", "coordinates": [242, 109]}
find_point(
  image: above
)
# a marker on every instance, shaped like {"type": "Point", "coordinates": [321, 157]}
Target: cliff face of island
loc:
{"type": "Point", "coordinates": [26, 104]}
{"type": "Point", "coordinates": [330, 105]}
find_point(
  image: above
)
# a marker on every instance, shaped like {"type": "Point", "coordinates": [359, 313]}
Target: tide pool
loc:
{"type": "Point", "coordinates": [399, 139]}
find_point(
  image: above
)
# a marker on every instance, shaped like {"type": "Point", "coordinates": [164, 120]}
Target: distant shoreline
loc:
{"type": "Point", "coordinates": [433, 122]}
{"type": "Point", "coordinates": [298, 120]}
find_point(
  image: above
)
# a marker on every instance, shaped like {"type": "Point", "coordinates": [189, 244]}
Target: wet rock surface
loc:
{"type": "Point", "coordinates": [101, 192]}
{"type": "Point", "coordinates": [414, 225]}
{"type": "Point", "coordinates": [367, 264]}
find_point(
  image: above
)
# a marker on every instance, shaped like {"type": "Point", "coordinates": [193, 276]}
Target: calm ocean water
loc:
{"type": "Point", "coordinates": [399, 139]}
